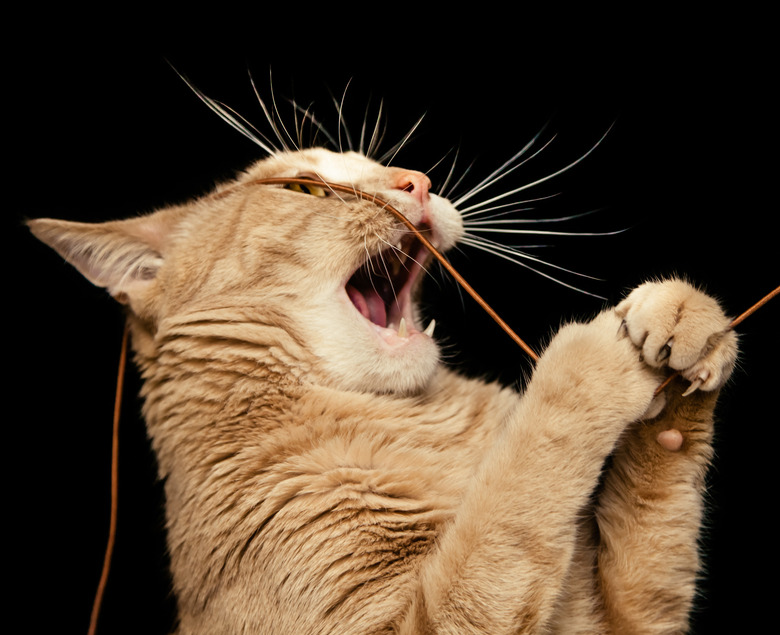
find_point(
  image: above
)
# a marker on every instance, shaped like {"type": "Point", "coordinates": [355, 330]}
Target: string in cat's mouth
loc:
{"type": "Point", "coordinates": [381, 289]}
{"type": "Point", "coordinates": [423, 241]}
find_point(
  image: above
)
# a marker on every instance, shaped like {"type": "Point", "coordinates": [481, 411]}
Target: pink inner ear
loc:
{"type": "Point", "coordinates": [122, 256]}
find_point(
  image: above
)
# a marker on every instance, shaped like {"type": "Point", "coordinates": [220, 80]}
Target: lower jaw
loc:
{"type": "Point", "coordinates": [404, 366]}
{"type": "Point", "coordinates": [403, 334]}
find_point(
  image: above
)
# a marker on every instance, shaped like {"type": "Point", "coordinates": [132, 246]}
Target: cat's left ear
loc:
{"type": "Point", "coordinates": [121, 256]}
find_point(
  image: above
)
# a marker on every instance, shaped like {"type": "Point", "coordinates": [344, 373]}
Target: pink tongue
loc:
{"type": "Point", "coordinates": [370, 305]}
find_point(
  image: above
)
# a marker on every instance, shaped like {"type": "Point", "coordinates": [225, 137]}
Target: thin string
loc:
{"type": "Point", "coordinates": [376, 200]}
{"type": "Point", "coordinates": [435, 252]}
{"type": "Point", "coordinates": [736, 321]}
{"type": "Point", "coordinates": [469, 289]}
{"type": "Point", "coordinates": [114, 485]}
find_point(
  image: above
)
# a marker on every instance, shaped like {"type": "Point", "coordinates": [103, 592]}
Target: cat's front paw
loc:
{"type": "Point", "coordinates": [676, 325]}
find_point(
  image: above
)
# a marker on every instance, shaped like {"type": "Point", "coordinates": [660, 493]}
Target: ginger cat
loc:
{"type": "Point", "coordinates": [326, 473]}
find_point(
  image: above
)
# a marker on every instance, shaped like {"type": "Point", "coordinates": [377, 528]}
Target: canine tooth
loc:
{"type": "Point", "coordinates": [402, 332]}
{"type": "Point", "coordinates": [429, 331]}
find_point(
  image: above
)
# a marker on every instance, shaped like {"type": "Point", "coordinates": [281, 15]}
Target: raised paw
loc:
{"type": "Point", "coordinates": [676, 325]}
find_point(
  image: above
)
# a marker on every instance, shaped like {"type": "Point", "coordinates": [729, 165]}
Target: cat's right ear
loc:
{"type": "Point", "coordinates": [121, 256]}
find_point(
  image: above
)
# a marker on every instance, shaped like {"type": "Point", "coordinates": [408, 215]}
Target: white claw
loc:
{"type": "Point", "coordinates": [402, 332]}
{"type": "Point", "coordinates": [429, 331]}
{"type": "Point", "coordinates": [693, 387]}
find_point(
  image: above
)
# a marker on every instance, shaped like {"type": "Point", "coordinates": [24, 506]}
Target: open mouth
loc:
{"type": "Point", "coordinates": [381, 289]}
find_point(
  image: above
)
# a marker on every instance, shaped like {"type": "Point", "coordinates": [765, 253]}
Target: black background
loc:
{"type": "Point", "coordinates": [102, 128]}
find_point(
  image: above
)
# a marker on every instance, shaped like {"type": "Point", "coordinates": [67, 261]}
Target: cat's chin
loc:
{"type": "Point", "coordinates": [366, 357]}
{"type": "Point", "coordinates": [404, 367]}
{"type": "Point", "coordinates": [379, 345]}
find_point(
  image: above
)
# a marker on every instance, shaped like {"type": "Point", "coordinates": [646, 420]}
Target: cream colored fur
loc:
{"type": "Point", "coordinates": [325, 475]}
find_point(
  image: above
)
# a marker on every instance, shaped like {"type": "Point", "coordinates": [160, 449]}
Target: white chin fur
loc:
{"type": "Point", "coordinates": [362, 356]}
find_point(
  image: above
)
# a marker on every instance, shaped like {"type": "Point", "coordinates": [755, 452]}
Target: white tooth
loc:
{"type": "Point", "coordinates": [402, 328]}
{"type": "Point", "coordinates": [429, 331]}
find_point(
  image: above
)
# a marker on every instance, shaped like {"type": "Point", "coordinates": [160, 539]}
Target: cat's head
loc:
{"type": "Point", "coordinates": [337, 273]}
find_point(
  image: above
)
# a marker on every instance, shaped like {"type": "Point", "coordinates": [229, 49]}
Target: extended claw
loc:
{"type": "Point", "coordinates": [695, 384]}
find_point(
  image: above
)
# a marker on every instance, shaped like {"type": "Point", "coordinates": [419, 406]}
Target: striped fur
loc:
{"type": "Point", "coordinates": [327, 474]}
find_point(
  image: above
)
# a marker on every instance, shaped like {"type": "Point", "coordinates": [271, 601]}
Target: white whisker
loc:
{"type": "Point", "coordinates": [504, 206]}
{"type": "Point", "coordinates": [519, 221]}
{"type": "Point", "coordinates": [387, 157]}
{"type": "Point", "coordinates": [514, 253]}
{"type": "Point", "coordinates": [363, 127]}
{"type": "Point", "coordinates": [376, 137]}
{"type": "Point", "coordinates": [274, 121]}
{"type": "Point", "coordinates": [539, 232]}
{"type": "Point", "coordinates": [495, 215]}
{"type": "Point", "coordinates": [233, 119]}
{"type": "Point", "coordinates": [450, 172]}
{"type": "Point", "coordinates": [307, 114]}
{"type": "Point", "coordinates": [435, 165]}
{"type": "Point", "coordinates": [300, 124]}
{"type": "Point", "coordinates": [446, 194]}
{"type": "Point", "coordinates": [504, 169]}
{"type": "Point", "coordinates": [401, 251]}
{"type": "Point", "coordinates": [515, 257]}
{"type": "Point", "coordinates": [541, 180]}
{"type": "Point", "coordinates": [341, 124]}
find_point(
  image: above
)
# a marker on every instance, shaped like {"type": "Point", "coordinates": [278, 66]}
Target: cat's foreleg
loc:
{"type": "Point", "coordinates": [500, 565]}
{"type": "Point", "coordinates": [649, 514]}
{"type": "Point", "coordinates": [650, 509]}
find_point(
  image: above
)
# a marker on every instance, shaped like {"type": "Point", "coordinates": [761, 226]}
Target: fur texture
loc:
{"type": "Point", "coordinates": [325, 473]}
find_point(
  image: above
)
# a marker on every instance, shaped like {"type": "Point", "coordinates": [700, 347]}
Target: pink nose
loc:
{"type": "Point", "coordinates": [416, 183]}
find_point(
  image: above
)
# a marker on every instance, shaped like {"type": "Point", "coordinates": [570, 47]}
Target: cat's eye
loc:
{"type": "Point", "coordinates": [314, 190]}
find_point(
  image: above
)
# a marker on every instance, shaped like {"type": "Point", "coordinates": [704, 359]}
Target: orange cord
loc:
{"type": "Point", "coordinates": [378, 201]}
{"type": "Point", "coordinates": [374, 199]}
{"type": "Point", "coordinates": [737, 320]}
{"type": "Point", "coordinates": [435, 252]}
{"type": "Point", "coordinates": [114, 485]}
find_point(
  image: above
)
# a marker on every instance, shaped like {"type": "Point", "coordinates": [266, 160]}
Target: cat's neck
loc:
{"type": "Point", "coordinates": [211, 371]}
